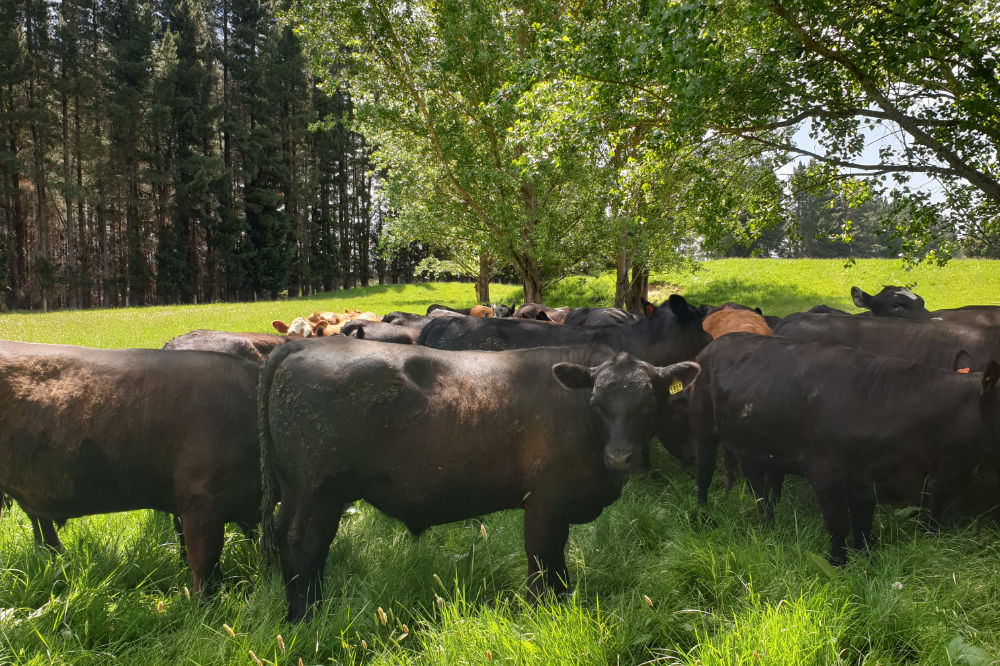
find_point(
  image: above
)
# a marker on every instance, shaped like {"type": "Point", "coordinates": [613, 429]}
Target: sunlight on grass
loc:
{"type": "Point", "coordinates": [656, 579]}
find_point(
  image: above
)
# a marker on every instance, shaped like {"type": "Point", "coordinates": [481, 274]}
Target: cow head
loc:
{"type": "Point", "coordinates": [501, 310]}
{"type": "Point", "coordinates": [301, 328]}
{"type": "Point", "coordinates": [892, 301]}
{"type": "Point", "coordinates": [626, 395]}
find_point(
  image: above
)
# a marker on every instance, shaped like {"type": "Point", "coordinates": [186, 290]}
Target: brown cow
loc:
{"type": "Point", "coordinates": [85, 431]}
{"type": "Point", "coordinates": [734, 320]}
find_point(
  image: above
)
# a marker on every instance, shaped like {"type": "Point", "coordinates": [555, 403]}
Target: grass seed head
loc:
{"type": "Point", "coordinates": [281, 643]}
{"type": "Point", "coordinates": [229, 630]}
{"type": "Point", "coordinates": [489, 656]}
{"type": "Point", "coordinates": [159, 606]}
{"type": "Point", "coordinates": [649, 602]}
{"type": "Point", "coordinates": [383, 619]}
{"type": "Point", "coordinates": [364, 645]}
{"type": "Point", "coordinates": [482, 530]}
{"type": "Point", "coordinates": [256, 660]}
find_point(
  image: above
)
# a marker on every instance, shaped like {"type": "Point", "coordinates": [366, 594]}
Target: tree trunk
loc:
{"type": "Point", "coordinates": [68, 202]}
{"type": "Point", "coordinates": [483, 278]}
{"type": "Point", "coordinates": [531, 278]}
{"type": "Point", "coordinates": [623, 265]}
{"type": "Point", "coordinates": [638, 288]}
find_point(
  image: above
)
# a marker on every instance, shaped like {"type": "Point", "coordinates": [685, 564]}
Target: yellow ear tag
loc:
{"type": "Point", "coordinates": [676, 387]}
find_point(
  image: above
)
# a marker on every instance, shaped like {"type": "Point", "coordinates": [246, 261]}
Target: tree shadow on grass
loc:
{"type": "Point", "coordinates": [772, 299]}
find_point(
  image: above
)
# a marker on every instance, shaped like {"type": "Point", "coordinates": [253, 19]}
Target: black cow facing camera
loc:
{"type": "Point", "coordinates": [431, 437]}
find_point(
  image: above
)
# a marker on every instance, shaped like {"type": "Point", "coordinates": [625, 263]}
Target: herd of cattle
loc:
{"type": "Point", "coordinates": [438, 417]}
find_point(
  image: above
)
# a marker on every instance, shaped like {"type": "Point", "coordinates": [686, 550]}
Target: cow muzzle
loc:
{"type": "Point", "coordinates": [619, 461]}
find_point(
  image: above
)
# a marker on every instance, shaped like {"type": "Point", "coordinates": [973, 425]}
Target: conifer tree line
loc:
{"type": "Point", "coordinates": [174, 151]}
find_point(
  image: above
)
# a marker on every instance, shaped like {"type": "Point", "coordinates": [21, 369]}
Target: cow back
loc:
{"type": "Point", "coordinates": [937, 344]}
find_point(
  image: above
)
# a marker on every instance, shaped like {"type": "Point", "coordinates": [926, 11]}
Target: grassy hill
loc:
{"type": "Point", "coordinates": [778, 286]}
{"type": "Point", "coordinates": [655, 582]}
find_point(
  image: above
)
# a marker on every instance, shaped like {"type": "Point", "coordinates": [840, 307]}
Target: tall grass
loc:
{"type": "Point", "coordinates": [656, 581]}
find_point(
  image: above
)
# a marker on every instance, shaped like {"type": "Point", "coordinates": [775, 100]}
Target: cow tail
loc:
{"type": "Point", "coordinates": [268, 480]}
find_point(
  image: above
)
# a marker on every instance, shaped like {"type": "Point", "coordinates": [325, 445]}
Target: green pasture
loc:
{"type": "Point", "coordinates": [655, 581]}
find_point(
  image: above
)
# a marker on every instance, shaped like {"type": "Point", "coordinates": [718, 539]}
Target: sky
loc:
{"type": "Point", "coordinates": [874, 139]}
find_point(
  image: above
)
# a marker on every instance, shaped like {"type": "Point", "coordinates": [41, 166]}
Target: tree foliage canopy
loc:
{"type": "Point", "coordinates": [923, 72]}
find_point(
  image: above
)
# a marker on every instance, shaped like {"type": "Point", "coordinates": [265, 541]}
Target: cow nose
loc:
{"type": "Point", "coordinates": [618, 461]}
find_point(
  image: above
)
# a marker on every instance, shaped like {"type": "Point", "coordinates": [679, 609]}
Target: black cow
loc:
{"type": "Point", "coordinates": [937, 344]}
{"type": "Point", "coordinates": [856, 425]}
{"type": "Point", "coordinates": [671, 333]}
{"type": "Point", "coordinates": [86, 431]}
{"type": "Point", "coordinates": [892, 301]}
{"type": "Point", "coordinates": [251, 346]}
{"type": "Point", "coordinates": [432, 437]}
{"type": "Point", "coordinates": [970, 315]}
{"type": "Point", "coordinates": [599, 317]}
{"type": "Point", "coordinates": [405, 318]}
{"type": "Point", "coordinates": [382, 332]}
{"type": "Point", "coordinates": [541, 313]}
{"type": "Point", "coordinates": [900, 302]}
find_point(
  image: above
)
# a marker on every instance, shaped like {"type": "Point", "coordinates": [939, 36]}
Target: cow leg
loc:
{"type": "Point", "coordinates": [705, 466]}
{"type": "Point", "coordinates": [179, 533]}
{"type": "Point", "coordinates": [49, 536]}
{"type": "Point", "coordinates": [760, 486]}
{"type": "Point", "coordinates": [545, 545]}
{"type": "Point", "coordinates": [204, 535]}
{"type": "Point", "coordinates": [249, 529]}
{"type": "Point", "coordinates": [862, 516]}
{"type": "Point", "coordinates": [833, 506]}
{"type": "Point", "coordinates": [304, 535]}
{"type": "Point", "coordinates": [44, 531]}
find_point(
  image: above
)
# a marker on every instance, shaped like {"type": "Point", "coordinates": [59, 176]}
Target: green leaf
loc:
{"type": "Point", "coordinates": [959, 651]}
{"type": "Point", "coordinates": [823, 565]}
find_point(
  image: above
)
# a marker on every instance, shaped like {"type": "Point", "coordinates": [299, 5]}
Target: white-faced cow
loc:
{"type": "Point", "coordinates": [431, 437]}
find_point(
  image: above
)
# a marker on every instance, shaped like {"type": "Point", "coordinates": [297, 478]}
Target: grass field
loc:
{"type": "Point", "coordinates": [654, 583]}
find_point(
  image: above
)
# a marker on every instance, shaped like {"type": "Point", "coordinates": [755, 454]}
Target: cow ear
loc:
{"type": "Point", "coordinates": [280, 326]}
{"type": "Point", "coordinates": [759, 311]}
{"type": "Point", "coordinates": [861, 299]}
{"type": "Point", "coordinates": [573, 376]}
{"type": "Point", "coordinates": [990, 376]}
{"type": "Point", "coordinates": [963, 361]}
{"type": "Point", "coordinates": [541, 316]}
{"type": "Point", "coordinates": [679, 375]}
{"type": "Point", "coordinates": [682, 309]}
{"type": "Point", "coordinates": [320, 329]}
{"type": "Point", "coordinates": [647, 307]}
{"type": "Point", "coordinates": [358, 332]}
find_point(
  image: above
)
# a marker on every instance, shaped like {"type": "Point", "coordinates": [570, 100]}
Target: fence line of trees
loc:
{"type": "Point", "coordinates": [174, 151]}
